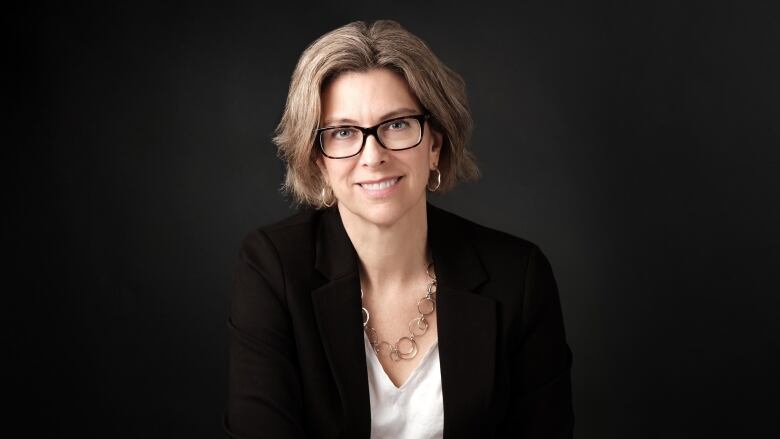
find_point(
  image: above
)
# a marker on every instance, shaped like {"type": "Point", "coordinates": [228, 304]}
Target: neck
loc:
{"type": "Point", "coordinates": [390, 255]}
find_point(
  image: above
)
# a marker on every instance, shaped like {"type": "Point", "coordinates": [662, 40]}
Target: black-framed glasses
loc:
{"type": "Point", "coordinates": [399, 133]}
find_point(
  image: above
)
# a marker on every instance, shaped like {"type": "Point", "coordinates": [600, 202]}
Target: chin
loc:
{"type": "Point", "coordinates": [382, 214]}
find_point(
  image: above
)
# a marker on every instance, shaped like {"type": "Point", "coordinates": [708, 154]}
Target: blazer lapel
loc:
{"type": "Point", "coordinates": [466, 324]}
{"type": "Point", "coordinates": [337, 309]}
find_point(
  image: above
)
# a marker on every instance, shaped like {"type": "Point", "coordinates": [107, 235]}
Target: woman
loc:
{"type": "Point", "coordinates": [375, 313]}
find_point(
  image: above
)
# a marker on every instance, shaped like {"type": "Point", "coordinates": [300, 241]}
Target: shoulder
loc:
{"type": "Point", "coordinates": [276, 248]}
{"type": "Point", "coordinates": [292, 231]}
{"type": "Point", "coordinates": [490, 243]}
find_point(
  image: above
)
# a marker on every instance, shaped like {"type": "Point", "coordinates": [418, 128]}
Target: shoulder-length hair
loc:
{"type": "Point", "coordinates": [360, 47]}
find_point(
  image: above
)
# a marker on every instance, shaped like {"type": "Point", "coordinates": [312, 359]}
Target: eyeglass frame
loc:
{"type": "Point", "coordinates": [421, 118]}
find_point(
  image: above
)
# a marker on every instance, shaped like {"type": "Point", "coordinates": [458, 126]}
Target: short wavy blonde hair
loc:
{"type": "Point", "coordinates": [360, 47]}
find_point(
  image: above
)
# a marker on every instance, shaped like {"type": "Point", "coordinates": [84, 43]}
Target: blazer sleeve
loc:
{"type": "Point", "coordinates": [541, 405]}
{"type": "Point", "coordinates": [264, 390]}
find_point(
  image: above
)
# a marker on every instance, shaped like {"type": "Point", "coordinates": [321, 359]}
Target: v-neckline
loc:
{"type": "Point", "coordinates": [386, 377]}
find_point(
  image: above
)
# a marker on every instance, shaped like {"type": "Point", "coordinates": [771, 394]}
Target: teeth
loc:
{"type": "Point", "coordinates": [381, 185]}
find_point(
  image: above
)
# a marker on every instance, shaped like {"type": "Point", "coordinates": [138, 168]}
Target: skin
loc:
{"type": "Point", "coordinates": [388, 231]}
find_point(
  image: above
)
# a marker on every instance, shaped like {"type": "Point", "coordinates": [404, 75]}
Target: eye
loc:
{"type": "Point", "coordinates": [342, 133]}
{"type": "Point", "coordinates": [398, 124]}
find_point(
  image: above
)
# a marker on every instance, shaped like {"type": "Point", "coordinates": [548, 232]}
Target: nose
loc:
{"type": "Point", "coordinates": [373, 153]}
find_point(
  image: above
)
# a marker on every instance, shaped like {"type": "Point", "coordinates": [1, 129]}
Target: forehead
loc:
{"type": "Point", "coordinates": [365, 97]}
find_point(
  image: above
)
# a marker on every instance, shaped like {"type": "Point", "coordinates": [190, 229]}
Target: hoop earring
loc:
{"type": "Point", "coordinates": [323, 197]}
{"type": "Point", "coordinates": [438, 180]}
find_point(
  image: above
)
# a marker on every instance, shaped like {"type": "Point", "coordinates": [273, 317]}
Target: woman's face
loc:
{"type": "Point", "coordinates": [366, 99]}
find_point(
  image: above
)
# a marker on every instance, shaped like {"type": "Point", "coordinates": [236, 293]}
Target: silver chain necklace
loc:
{"type": "Point", "coordinates": [417, 326]}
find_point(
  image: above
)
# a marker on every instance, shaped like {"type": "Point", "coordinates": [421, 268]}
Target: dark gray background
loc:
{"type": "Point", "coordinates": [637, 145]}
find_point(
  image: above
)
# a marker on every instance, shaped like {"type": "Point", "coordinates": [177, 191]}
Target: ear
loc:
{"type": "Point", "coordinates": [323, 169]}
{"type": "Point", "coordinates": [438, 140]}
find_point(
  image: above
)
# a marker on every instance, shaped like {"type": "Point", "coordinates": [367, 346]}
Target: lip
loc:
{"type": "Point", "coordinates": [380, 193]}
{"type": "Point", "coordinates": [379, 180]}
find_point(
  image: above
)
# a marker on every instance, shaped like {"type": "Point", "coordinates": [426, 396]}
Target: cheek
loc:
{"type": "Point", "coordinates": [338, 172]}
{"type": "Point", "coordinates": [420, 165]}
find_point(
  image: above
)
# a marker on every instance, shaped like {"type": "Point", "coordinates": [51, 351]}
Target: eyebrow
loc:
{"type": "Point", "coordinates": [390, 115]}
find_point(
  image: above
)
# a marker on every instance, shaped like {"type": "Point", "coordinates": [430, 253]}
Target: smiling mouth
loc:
{"type": "Point", "coordinates": [384, 184]}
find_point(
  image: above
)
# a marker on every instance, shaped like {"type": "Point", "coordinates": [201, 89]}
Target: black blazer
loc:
{"type": "Point", "coordinates": [297, 356]}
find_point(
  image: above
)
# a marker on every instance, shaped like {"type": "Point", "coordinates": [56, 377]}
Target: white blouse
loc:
{"type": "Point", "coordinates": [414, 410]}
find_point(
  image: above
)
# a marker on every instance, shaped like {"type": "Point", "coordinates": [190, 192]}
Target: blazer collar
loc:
{"type": "Point", "coordinates": [466, 324]}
